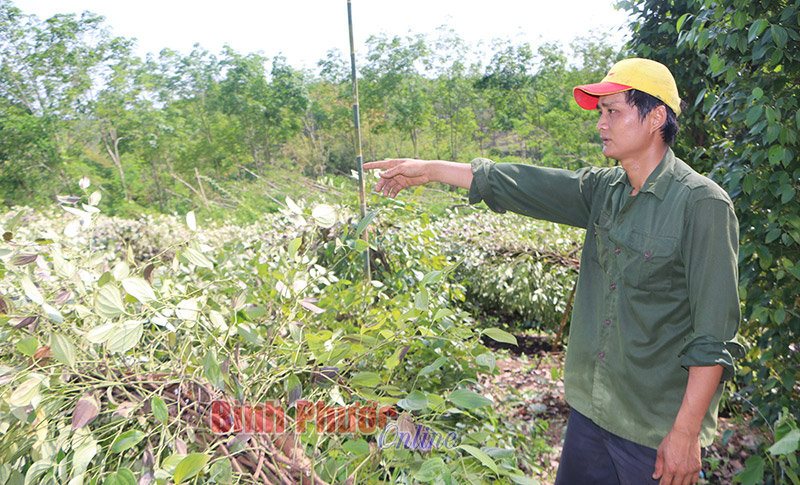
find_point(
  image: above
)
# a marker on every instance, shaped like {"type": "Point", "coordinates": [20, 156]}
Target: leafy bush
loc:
{"type": "Point", "coordinates": [113, 353]}
{"type": "Point", "coordinates": [524, 276]}
{"type": "Point", "coordinates": [514, 269]}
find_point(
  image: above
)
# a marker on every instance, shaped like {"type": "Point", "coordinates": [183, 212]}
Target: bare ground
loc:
{"type": "Point", "coordinates": [531, 387]}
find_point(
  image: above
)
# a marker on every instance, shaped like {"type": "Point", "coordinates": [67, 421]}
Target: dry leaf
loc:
{"type": "Point", "coordinates": [86, 411]}
{"type": "Point", "coordinates": [180, 447]}
{"type": "Point", "coordinates": [147, 459]}
{"type": "Point", "coordinates": [240, 438]}
{"type": "Point", "coordinates": [22, 322]}
{"type": "Point", "coordinates": [308, 305]}
{"type": "Point", "coordinates": [23, 259]}
{"type": "Point", "coordinates": [147, 477]}
{"type": "Point", "coordinates": [403, 353]}
{"type": "Point", "coordinates": [148, 273]}
{"type": "Point", "coordinates": [63, 297]}
{"type": "Point", "coordinates": [68, 199]}
{"type": "Point", "coordinates": [406, 426]}
{"type": "Point", "coordinates": [42, 353]}
{"type": "Point", "coordinates": [294, 395]}
{"type": "Point", "coordinates": [326, 375]}
{"type": "Point", "coordinates": [124, 409]}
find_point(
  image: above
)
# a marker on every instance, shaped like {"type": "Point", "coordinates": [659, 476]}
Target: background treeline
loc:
{"type": "Point", "coordinates": [75, 100]}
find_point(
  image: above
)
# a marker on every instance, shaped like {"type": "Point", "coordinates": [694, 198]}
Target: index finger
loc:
{"type": "Point", "coordinates": [381, 164]}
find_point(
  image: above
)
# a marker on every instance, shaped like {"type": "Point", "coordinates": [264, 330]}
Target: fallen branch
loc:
{"type": "Point", "coordinates": [187, 184]}
{"type": "Point", "coordinates": [568, 260]}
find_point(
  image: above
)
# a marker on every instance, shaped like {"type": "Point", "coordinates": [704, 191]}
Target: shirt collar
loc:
{"type": "Point", "coordinates": [620, 178]}
{"type": "Point", "coordinates": [657, 182]}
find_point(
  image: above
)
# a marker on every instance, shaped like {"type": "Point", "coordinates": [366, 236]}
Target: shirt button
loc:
{"type": "Point", "coordinates": [601, 354]}
{"type": "Point", "coordinates": [608, 322]}
{"type": "Point", "coordinates": [616, 250]}
{"type": "Point", "coordinates": [613, 286]}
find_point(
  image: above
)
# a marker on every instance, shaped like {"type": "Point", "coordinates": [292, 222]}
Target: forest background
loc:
{"type": "Point", "coordinates": [131, 123]}
{"type": "Point", "coordinates": [227, 135]}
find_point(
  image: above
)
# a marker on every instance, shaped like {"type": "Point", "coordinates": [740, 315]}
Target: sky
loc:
{"type": "Point", "coordinates": [304, 31]}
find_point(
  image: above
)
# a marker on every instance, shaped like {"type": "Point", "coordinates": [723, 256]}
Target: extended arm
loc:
{"type": "Point", "coordinates": [401, 173]}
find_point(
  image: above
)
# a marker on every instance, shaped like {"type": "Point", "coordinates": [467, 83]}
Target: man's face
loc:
{"type": "Point", "coordinates": [625, 135]}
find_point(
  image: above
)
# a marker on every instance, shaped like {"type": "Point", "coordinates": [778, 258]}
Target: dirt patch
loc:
{"type": "Point", "coordinates": [531, 386]}
{"type": "Point", "coordinates": [735, 443]}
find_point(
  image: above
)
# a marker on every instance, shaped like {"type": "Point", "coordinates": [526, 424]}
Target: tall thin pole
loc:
{"type": "Point", "coordinates": [362, 193]}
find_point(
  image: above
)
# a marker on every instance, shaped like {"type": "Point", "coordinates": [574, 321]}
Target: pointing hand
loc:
{"type": "Point", "coordinates": [399, 174]}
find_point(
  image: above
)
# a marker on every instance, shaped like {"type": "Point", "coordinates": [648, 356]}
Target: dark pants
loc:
{"type": "Point", "coordinates": [592, 455]}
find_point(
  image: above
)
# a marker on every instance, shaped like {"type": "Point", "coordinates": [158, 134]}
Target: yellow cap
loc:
{"type": "Point", "coordinates": [648, 76]}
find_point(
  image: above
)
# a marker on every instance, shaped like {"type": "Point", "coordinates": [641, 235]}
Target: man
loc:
{"type": "Point", "coordinates": [656, 308]}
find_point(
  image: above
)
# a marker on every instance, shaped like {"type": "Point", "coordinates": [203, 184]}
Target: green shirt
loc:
{"type": "Point", "coordinates": [657, 290]}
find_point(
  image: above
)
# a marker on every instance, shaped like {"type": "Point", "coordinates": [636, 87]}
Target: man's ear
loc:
{"type": "Point", "coordinates": [658, 116]}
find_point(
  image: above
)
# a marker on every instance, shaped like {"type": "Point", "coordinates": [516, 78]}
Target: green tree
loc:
{"type": "Point", "coordinates": [327, 124]}
{"type": "Point", "coordinates": [243, 95]}
{"type": "Point", "coordinates": [567, 132]}
{"type": "Point", "coordinates": [287, 103]}
{"type": "Point", "coordinates": [327, 141]}
{"type": "Point", "coordinates": [508, 85]}
{"type": "Point", "coordinates": [116, 109]}
{"type": "Point", "coordinates": [269, 112]}
{"type": "Point", "coordinates": [456, 100]}
{"type": "Point", "coordinates": [189, 88]}
{"type": "Point", "coordinates": [656, 36]}
{"type": "Point", "coordinates": [396, 86]}
{"type": "Point", "coordinates": [47, 71]}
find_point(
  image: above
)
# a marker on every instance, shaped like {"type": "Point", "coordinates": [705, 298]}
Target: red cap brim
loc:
{"type": "Point", "coordinates": [586, 95]}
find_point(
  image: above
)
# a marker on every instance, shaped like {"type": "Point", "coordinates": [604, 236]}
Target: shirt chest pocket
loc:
{"type": "Point", "coordinates": [647, 262]}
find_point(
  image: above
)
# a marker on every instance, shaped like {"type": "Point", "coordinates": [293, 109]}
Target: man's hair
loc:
{"type": "Point", "coordinates": [645, 103]}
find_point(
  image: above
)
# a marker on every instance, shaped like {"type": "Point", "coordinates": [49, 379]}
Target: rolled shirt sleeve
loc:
{"type": "Point", "coordinates": [710, 247]}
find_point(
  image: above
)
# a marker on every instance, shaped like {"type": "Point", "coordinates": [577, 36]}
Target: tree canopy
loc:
{"type": "Point", "coordinates": [75, 100]}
